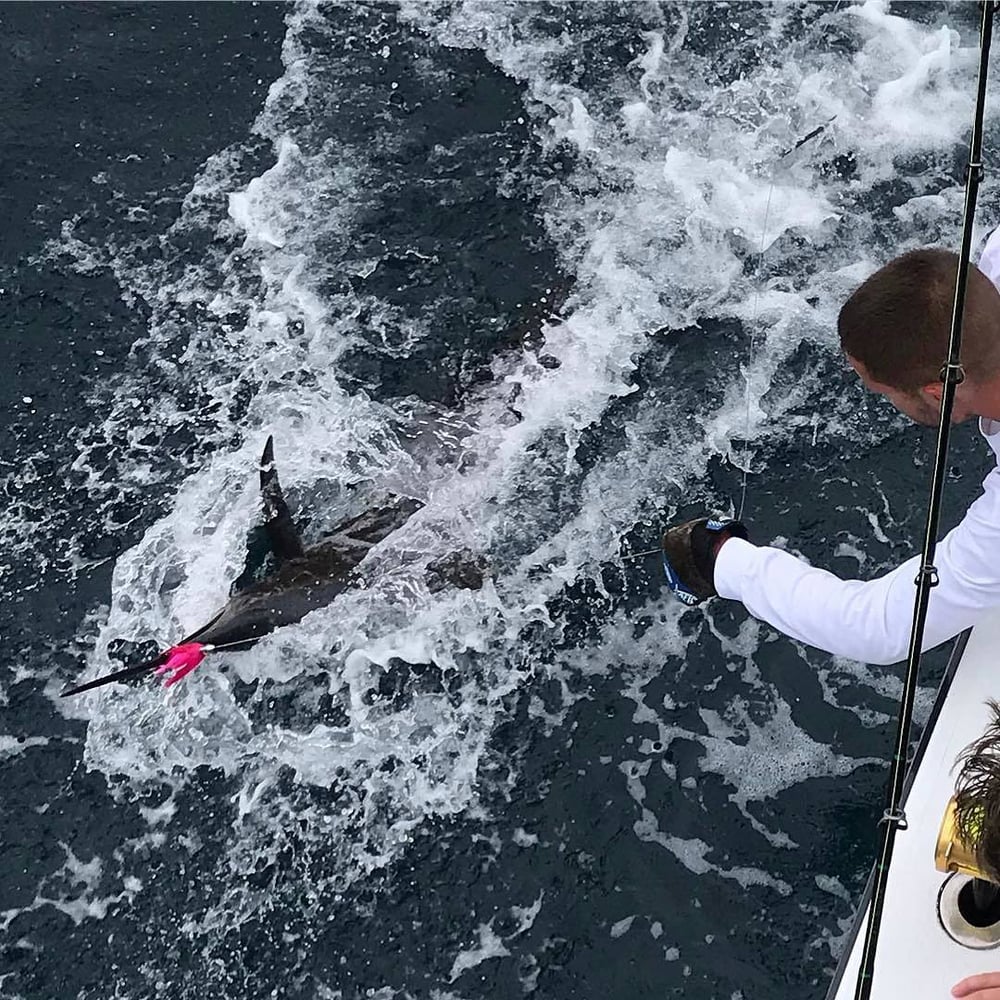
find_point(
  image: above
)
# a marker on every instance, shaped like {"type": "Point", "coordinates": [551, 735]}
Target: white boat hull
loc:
{"type": "Point", "coordinates": [915, 957]}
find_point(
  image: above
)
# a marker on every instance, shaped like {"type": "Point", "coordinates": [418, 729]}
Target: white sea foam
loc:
{"type": "Point", "coordinates": [686, 218]}
{"type": "Point", "coordinates": [11, 746]}
{"type": "Point", "coordinates": [490, 946]}
{"type": "Point", "coordinates": [72, 889]}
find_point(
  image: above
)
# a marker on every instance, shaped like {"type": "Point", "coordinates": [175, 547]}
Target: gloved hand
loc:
{"type": "Point", "coordinates": [689, 552]}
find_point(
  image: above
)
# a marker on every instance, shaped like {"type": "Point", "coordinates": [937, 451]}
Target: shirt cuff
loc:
{"type": "Point", "coordinates": [733, 565]}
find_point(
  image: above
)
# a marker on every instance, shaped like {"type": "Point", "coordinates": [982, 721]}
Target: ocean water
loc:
{"type": "Point", "coordinates": [564, 272]}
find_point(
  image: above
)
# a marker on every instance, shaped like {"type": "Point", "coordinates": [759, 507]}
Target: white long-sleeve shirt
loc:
{"type": "Point", "coordinates": [870, 620]}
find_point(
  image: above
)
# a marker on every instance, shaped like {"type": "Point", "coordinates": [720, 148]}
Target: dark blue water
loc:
{"type": "Point", "coordinates": [550, 269]}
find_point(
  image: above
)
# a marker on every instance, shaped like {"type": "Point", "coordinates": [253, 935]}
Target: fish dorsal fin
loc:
{"type": "Point", "coordinates": [284, 539]}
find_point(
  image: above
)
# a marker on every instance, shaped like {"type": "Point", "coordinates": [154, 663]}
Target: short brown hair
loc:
{"type": "Point", "coordinates": [897, 323]}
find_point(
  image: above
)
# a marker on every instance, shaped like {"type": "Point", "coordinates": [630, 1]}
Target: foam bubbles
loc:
{"type": "Point", "coordinates": [667, 177]}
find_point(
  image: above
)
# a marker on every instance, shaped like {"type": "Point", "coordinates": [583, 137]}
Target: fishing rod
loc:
{"type": "Point", "coordinates": [952, 373]}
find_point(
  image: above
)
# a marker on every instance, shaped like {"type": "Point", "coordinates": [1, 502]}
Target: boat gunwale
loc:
{"type": "Point", "coordinates": [954, 660]}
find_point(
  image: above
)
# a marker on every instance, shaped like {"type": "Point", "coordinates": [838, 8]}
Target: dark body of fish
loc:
{"type": "Point", "coordinates": [304, 582]}
{"type": "Point", "coordinates": [305, 579]}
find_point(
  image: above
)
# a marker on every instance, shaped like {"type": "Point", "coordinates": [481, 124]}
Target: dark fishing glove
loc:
{"type": "Point", "coordinates": [689, 552]}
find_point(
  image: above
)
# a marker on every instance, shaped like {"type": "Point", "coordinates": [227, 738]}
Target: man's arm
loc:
{"type": "Point", "coordinates": [870, 621]}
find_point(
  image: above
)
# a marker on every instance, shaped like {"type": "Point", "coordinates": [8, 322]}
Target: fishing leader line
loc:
{"type": "Point", "coordinates": [745, 458]}
{"type": "Point", "coordinates": [745, 465]}
{"type": "Point", "coordinates": [751, 354]}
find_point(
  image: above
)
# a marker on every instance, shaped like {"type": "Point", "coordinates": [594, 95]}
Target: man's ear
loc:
{"type": "Point", "coordinates": [934, 390]}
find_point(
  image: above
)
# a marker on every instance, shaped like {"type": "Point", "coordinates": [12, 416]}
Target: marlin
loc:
{"type": "Point", "coordinates": [304, 580]}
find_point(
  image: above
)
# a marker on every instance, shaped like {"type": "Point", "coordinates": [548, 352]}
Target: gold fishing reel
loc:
{"type": "Point", "coordinates": [968, 845]}
{"type": "Point", "coordinates": [968, 902]}
{"type": "Point", "coordinates": [952, 854]}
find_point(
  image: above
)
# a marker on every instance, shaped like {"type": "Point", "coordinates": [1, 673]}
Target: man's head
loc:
{"type": "Point", "coordinates": [894, 330]}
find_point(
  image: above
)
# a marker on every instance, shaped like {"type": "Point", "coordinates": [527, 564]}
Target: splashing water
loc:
{"type": "Point", "coordinates": [341, 279]}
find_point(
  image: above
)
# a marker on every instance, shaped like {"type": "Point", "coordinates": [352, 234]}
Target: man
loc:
{"type": "Point", "coordinates": [894, 330]}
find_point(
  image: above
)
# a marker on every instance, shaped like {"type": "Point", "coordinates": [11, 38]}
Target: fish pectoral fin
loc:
{"type": "Point", "coordinates": [284, 538]}
{"type": "Point", "coordinates": [379, 521]}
